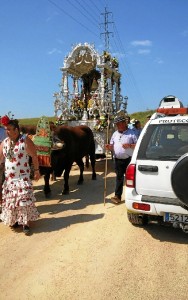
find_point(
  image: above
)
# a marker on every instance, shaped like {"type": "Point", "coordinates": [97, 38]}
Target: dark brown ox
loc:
{"type": "Point", "coordinates": [29, 129]}
{"type": "Point", "coordinates": [77, 142]}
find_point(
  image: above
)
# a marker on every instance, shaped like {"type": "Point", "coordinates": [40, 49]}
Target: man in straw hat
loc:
{"type": "Point", "coordinates": [122, 144]}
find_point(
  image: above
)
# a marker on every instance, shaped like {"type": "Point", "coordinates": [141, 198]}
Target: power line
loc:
{"type": "Point", "coordinates": [95, 5]}
{"type": "Point", "coordinates": [125, 65]}
{"type": "Point", "coordinates": [81, 11]}
{"type": "Point", "coordinates": [88, 12]}
{"type": "Point", "coordinates": [61, 9]}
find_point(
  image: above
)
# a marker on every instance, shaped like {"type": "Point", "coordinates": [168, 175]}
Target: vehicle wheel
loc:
{"type": "Point", "coordinates": [137, 219]}
{"type": "Point", "coordinates": [179, 179]}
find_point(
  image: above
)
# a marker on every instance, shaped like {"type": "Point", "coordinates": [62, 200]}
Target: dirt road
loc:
{"type": "Point", "coordinates": [82, 249]}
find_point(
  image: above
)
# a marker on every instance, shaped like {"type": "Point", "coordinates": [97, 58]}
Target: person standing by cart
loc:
{"type": "Point", "coordinates": [122, 143]}
{"type": "Point", "coordinates": [18, 199]}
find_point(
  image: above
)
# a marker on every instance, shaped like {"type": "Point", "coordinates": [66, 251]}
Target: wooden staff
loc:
{"type": "Point", "coordinates": [106, 161]}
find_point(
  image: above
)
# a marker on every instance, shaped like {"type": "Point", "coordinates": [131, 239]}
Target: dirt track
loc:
{"type": "Point", "coordinates": [82, 249]}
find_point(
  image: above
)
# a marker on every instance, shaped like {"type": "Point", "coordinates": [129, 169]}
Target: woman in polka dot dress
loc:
{"type": "Point", "coordinates": [18, 206]}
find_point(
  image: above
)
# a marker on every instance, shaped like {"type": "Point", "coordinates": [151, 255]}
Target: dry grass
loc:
{"type": "Point", "coordinates": [141, 116]}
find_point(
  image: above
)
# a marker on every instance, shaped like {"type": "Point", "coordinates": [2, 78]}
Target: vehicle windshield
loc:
{"type": "Point", "coordinates": [164, 142]}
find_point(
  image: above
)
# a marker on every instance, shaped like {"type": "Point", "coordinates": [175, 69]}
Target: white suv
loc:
{"type": "Point", "coordinates": [157, 176]}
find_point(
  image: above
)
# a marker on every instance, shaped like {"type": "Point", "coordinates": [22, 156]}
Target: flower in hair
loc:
{"type": "Point", "coordinates": [5, 120]}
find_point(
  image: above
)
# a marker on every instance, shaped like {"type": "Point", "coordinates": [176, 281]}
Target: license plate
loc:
{"type": "Point", "coordinates": [176, 218]}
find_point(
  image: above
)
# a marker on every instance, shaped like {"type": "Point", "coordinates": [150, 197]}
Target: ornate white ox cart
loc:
{"type": "Point", "coordinates": [90, 92]}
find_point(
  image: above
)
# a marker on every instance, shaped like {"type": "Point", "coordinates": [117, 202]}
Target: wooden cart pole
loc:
{"type": "Point", "coordinates": [106, 160]}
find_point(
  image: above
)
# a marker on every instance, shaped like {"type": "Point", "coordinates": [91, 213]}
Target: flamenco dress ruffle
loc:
{"type": "Point", "coordinates": [18, 202]}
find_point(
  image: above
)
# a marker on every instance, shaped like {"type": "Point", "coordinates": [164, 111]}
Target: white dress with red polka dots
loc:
{"type": "Point", "coordinates": [18, 197]}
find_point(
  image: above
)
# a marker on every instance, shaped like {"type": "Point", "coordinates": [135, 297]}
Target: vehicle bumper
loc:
{"type": "Point", "coordinates": [158, 205]}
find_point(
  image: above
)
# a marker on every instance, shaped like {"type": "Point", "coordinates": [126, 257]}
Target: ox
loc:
{"type": "Point", "coordinates": [77, 142]}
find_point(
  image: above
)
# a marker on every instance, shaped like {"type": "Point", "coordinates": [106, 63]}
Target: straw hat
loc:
{"type": "Point", "coordinates": [120, 117]}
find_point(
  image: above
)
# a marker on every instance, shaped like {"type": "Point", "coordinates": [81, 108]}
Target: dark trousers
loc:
{"type": "Point", "coordinates": [120, 169]}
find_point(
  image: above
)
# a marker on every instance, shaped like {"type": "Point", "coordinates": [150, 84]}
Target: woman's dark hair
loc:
{"type": "Point", "coordinates": [14, 123]}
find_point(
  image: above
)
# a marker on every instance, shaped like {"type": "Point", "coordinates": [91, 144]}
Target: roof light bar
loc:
{"type": "Point", "coordinates": [173, 111]}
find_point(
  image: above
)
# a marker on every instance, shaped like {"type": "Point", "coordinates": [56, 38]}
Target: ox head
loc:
{"type": "Point", "coordinates": [66, 142]}
{"type": "Point", "coordinates": [57, 145]}
{"type": "Point", "coordinates": [58, 156]}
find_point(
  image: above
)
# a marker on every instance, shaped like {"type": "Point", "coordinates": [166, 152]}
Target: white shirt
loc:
{"type": "Point", "coordinates": [118, 139]}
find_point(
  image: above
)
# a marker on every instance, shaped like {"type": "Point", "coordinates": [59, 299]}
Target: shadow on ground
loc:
{"type": "Point", "coordinates": [166, 233]}
{"type": "Point", "coordinates": [54, 211]}
{"type": "Point", "coordinates": [91, 192]}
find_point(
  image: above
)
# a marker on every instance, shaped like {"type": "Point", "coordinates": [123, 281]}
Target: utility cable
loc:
{"type": "Point", "coordinates": [61, 9]}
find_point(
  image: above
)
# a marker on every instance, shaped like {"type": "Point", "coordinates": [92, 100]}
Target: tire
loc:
{"type": "Point", "coordinates": [179, 178]}
{"type": "Point", "coordinates": [137, 219]}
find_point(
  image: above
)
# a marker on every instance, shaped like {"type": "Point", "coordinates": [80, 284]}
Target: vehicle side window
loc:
{"type": "Point", "coordinates": [164, 142]}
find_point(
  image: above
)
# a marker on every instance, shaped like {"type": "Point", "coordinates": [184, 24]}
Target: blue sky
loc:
{"type": "Point", "coordinates": [150, 39]}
